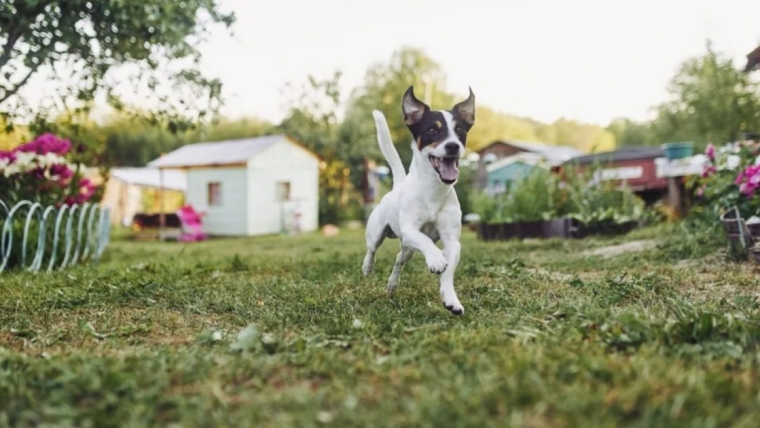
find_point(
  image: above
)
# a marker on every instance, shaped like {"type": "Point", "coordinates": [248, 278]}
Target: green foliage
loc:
{"type": "Point", "coordinates": [128, 145]}
{"type": "Point", "coordinates": [312, 120]}
{"type": "Point", "coordinates": [697, 236]}
{"type": "Point", "coordinates": [602, 203]}
{"type": "Point", "coordinates": [384, 84]}
{"type": "Point", "coordinates": [542, 195]}
{"type": "Point", "coordinates": [631, 133]}
{"type": "Point", "coordinates": [89, 39]}
{"type": "Point", "coordinates": [585, 137]}
{"type": "Point", "coordinates": [711, 101]}
{"type": "Point", "coordinates": [534, 197]}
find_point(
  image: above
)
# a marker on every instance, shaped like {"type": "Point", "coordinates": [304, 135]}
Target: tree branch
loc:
{"type": "Point", "coordinates": [12, 92]}
{"type": "Point", "coordinates": [8, 48]}
{"type": "Point", "coordinates": [15, 35]}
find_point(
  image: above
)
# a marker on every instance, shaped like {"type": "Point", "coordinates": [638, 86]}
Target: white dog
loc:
{"type": "Point", "coordinates": [422, 207]}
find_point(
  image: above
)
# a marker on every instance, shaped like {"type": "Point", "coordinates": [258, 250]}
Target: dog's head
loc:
{"type": "Point", "coordinates": [440, 135]}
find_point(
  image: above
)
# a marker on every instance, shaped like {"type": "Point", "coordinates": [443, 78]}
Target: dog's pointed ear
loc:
{"type": "Point", "coordinates": [412, 107]}
{"type": "Point", "coordinates": [466, 108]}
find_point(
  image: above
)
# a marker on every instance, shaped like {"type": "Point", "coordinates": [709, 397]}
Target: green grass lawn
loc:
{"type": "Point", "coordinates": [555, 334]}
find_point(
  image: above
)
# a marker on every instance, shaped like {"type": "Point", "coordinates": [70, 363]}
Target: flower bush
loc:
{"type": "Point", "coordinates": [43, 171]}
{"type": "Point", "coordinates": [730, 178]}
{"type": "Point", "coordinates": [46, 170]}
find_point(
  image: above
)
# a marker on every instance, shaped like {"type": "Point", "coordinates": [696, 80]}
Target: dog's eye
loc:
{"type": "Point", "coordinates": [459, 130]}
{"type": "Point", "coordinates": [432, 130]}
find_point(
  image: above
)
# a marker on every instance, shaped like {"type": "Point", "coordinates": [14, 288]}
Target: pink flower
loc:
{"type": "Point", "coordinates": [9, 155]}
{"type": "Point", "coordinates": [46, 143]}
{"type": "Point", "coordinates": [63, 172]}
{"type": "Point", "coordinates": [708, 171]}
{"type": "Point", "coordinates": [86, 189]}
{"type": "Point", "coordinates": [748, 180]}
{"type": "Point", "coordinates": [38, 173]}
{"type": "Point", "coordinates": [710, 151]}
{"type": "Point", "coordinates": [701, 192]}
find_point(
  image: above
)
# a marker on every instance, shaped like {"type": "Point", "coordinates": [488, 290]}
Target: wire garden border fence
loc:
{"type": "Point", "coordinates": [51, 237]}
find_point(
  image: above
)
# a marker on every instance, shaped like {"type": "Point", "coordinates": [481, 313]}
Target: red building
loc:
{"type": "Point", "coordinates": [634, 165]}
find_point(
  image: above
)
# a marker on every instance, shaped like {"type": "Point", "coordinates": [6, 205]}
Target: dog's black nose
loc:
{"type": "Point", "coordinates": [451, 148]}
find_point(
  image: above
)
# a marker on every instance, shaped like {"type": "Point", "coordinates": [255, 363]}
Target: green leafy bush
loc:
{"type": "Point", "coordinates": [542, 195]}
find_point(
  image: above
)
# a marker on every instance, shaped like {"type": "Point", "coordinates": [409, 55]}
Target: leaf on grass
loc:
{"type": "Point", "coordinates": [248, 339]}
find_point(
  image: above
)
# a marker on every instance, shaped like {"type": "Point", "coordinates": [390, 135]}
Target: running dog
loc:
{"type": "Point", "coordinates": [422, 208]}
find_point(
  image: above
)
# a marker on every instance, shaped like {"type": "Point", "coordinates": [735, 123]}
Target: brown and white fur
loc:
{"type": "Point", "coordinates": [422, 208]}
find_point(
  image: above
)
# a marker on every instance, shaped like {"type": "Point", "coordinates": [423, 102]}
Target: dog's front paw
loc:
{"type": "Point", "coordinates": [453, 306]}
{"type": "Point", "coordinates": [437, 263]}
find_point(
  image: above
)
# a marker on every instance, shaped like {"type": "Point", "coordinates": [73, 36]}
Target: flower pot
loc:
{"type": "Point", "coordinates": [530, 229]}
{"type": "Point", "coordinates": [755, 252]}
{"type": "Point", "coordinates": [560, 228]}
{"type": "Point", "coordinates": [507, 231]}
{"type": "Point", "coordinates": [486, 231]}
{"type": "Point", "coordinates": [754, 230]}
{"type": "Point", "coordinates": [675, 151]}
{"type": "Point", "coordinates": [735, 228]}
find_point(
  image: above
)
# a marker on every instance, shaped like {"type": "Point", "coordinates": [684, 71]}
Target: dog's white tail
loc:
{"type": "Point", "coordinates": [386, 147]}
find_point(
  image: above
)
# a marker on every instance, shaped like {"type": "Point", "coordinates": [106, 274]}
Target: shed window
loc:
{"type": "Point", "coordinates": [215, 194]}
{"type": "Point", "coordinates": [283, 191]}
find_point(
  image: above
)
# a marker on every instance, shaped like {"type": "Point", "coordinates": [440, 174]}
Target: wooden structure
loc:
{"type": "Point", "coordinates": [554, 155]}
{"type": "Point", "coordinates": [126, 189]}
{"type": "Point", "coordinates": [646, 171]}
{"type": "Point", "coordinates": [634, 165]}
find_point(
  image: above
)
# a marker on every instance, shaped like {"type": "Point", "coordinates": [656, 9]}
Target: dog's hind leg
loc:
{"type": "Point", "coordinates": [402, 258]}
{"type": "Point", "coordinates": [375, 236]}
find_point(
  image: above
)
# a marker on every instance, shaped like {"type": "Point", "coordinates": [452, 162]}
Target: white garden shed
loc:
{"type": "Point", "coordinates": [251, 186]}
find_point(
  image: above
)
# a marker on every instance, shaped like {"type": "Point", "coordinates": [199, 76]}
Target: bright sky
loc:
{"type": "Point", "coordinates": [590, 60]}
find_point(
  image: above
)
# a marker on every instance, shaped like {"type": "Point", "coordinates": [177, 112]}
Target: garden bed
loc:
{"type": "Point", "coordinates": [542, 229]}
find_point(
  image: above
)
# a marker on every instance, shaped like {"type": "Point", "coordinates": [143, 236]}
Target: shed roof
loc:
{"type": "Point", "coordinates": [151, 177]}
{"type": "Point", "coordinates": [217, 153]}
{"type": "Point", "coordinates": [528, 158]}
{"type": "Point", "coordinates": [549, 151]}
{"type": "Point", "coordinates": [621, 154]}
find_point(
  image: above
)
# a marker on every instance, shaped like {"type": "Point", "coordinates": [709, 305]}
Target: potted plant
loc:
{"type": "Point", "coordinates": [680, 150]}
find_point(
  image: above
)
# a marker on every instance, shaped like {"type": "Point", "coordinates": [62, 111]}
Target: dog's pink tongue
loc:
{"type": "Point", "coordinates": [448, 170]}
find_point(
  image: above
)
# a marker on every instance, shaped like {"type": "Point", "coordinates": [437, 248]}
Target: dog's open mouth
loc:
{"type": "Point", "coordinates": [446, 167]}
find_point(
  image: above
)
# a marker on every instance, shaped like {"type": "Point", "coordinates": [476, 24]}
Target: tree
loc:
{"type": "Point", "coordinates": [124, 144]}
{"type": "Point", "coordinates": [631, 133]}
{"type": "Point", "coordinates": [384, 84]}
{"type": "Point", "coordinates": [710, 101]}
{"type": "Point", "coordinates": [491, 126]}
{"type": "Point", "coordinates": [80, 42]}
{"type": "Point", "coordinates": [228, 129]}
{"type": "Point", "coordinates": [582, 136]}
{"type": "Point", "coordinates": [312, 119]}
{"type": "Point", "coordinates": [312, 116]}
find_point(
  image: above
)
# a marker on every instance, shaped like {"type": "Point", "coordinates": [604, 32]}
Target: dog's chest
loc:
{"type": "Point", "coordinates": [430, 206]}
{"type": "Point", "coordinates": [431, 231]}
